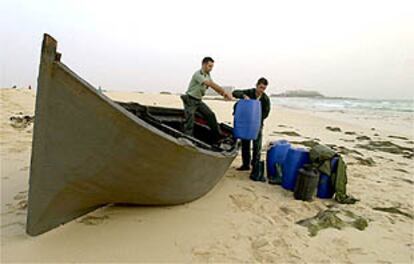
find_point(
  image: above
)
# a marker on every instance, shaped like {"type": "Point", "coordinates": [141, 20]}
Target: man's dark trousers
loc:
{"type": "Point", "coordinates": [257, 148]}
{"type": "Point", "coordinates": [193, 105]}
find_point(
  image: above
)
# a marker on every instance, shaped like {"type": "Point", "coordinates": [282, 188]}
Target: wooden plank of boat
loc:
{"type": "Point", "coordinates": [89, 151]}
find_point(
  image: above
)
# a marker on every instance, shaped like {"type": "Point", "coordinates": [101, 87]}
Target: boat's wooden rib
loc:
{"type": "Point", "coordinates": [89, 151]}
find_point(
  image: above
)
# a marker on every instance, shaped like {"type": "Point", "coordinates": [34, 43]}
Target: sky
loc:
{"type": "Point", "coordinates": [361, 49]}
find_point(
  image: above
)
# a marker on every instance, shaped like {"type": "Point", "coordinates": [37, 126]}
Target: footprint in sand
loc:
{"type": "Point", "coordinates": [286, 210]}
{"type": "Point", "coordinates": [17, 149]}
{"type": "Point", "coordinates": [384, 261]}
{"type": "Point", "coordinates": [248, 189]}
{"type": "Point", "coordinates": [230, 175]}
{"type": "Point", "coordinates": [243, 202]}
{"type": "Point", "coordinates": [281, 247]}
{"type": "Point", "coordinates": [12, 224]}
{"type": "Point", "coordinates": [401, 170]}
{"type": "Point", "coordinates": [20, 196]}
{"type": "Point", "coordinates": [259, 243]}
{"type": "Point", "coordinates": [402, 163]}
{"type": "Point", "coordinates": [219, 251]}
{"type": "Point", "coordinates": [359, 251]}
{"type": "Point", "coordinates": [21, 205]}
{"type": "Point", "coordinates": [93, 220]}
{"type": "Point", "coordinates": [263, 251]}
{"type": "Point", "coordinates": [201, 255]}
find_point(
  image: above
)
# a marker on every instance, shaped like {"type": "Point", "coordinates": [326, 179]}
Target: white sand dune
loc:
{"type": "Point", "coordinates": [238, 221]}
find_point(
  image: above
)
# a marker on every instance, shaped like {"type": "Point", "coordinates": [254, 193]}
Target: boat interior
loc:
{"type": "Point", "coordinates": [171, 120]}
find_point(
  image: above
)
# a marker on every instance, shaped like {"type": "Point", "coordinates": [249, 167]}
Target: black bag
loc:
{"type": "Point", "coordinates": [306, 183]}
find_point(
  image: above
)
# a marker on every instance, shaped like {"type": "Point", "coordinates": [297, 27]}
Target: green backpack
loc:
{"type": "Point", "coordinates": [321, 157]}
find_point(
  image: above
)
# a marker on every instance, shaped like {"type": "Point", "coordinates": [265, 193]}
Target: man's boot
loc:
{"type": "Point", "coordinates": [243, 168]}
{"type": "Point", "coordinates": [277, 178]}
{"type": "Point", "coordinates": [257, 173]}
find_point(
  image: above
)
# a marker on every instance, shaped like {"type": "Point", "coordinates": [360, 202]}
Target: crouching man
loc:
{"type": "Point", "coordinates": [257, 93]}
{"type": "Point", "coordinates": [200, 82]}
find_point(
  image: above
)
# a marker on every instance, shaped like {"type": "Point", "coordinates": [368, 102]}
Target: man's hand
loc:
{"type": "Point", "coordinates": [227, 96]}
{"type": "Point", "coordinates": [218, 89]}
{"type": "Point", "coordinates": [246, 97]}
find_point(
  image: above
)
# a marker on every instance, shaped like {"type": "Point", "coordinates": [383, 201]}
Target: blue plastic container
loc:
{"type": "Point", "coordinates": [295, 159]}
{"type": "Point", "coordinates": [325, 190]}
{"type": "Point", "coordinates": [276, 155]}
{"type": "Point", "coordinates": [247, 119]}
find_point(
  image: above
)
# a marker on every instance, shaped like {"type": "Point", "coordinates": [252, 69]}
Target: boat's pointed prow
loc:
{"type": "Point", "coordinates": [47, 182]}
{"type": "Point", "coordinates": [49, 47]}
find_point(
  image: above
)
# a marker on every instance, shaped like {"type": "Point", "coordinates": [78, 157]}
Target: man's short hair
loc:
{"type": "Point", "coordinates": [207, 60]}
{"type": "Point", "coordinates": [262, 81]}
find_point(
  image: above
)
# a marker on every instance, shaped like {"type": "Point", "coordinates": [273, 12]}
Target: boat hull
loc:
{"type": "Point", "coordinates": [88, 151]}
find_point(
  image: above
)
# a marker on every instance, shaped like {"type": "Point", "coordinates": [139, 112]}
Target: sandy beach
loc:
{"type": "Point", "coordinates": [239, 220]}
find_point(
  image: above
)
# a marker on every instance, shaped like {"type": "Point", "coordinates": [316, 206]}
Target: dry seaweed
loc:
{"type": "Point", "coordinates": [366, 162]}
{"type": "Point", "coordinates": [333, 218]}
{"type": "Point", "coordinates": [398, 137]}
{"type": "Point", "coordinates": [350, 133]}
{"type": "Point", "coordinates": [387, 146]}
{"type": "Point", "coordinates": [408, 181]}
{"type": "Point", "coordinates": [401, 170]}
{"type": "Point", "coordinates": [347, 140]}
{"type": "Point", "coordinates": [306, 143]}
{"type": "Point", "coordinates": [393, 210]}
{"type": "Point", "coordinates": [21, 122]}
{"type": "Point", "coordinates": [346, 151]}
{"type": "Point", "coordinates": [363, 138]}
{"type": "Point", "coordinates": [287, 133]}
{"type": "Point", "coordinates": [334, 129]}
{"type": "Point", "coordinates": [409, 156]}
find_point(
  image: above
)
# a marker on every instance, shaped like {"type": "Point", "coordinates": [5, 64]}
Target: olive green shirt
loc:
{"type": "Point", "coordinates": [196, 88]}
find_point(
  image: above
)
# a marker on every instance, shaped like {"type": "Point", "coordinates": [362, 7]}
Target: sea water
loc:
{"type": "Point", "coordinates": [394, 115]}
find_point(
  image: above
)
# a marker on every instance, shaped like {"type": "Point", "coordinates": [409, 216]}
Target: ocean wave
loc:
{"type": "Point", "coordinates": [323, 104]}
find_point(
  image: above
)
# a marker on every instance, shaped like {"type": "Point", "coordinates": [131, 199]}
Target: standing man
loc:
{"type": "Point", "coordinates": [199, 83]}
{"type": "Point", "coordinates": [257, 93]}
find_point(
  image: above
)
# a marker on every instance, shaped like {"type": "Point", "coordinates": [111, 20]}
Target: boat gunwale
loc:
{"type": "Point", "coordinates": [184, 140]}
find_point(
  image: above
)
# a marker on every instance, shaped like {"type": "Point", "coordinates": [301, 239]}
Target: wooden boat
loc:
{"type": "Point", "coordinates": [89, 151]}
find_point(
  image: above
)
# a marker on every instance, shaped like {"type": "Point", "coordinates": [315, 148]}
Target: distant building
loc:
{"type": "Point", "coordinates": [211, 92]}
